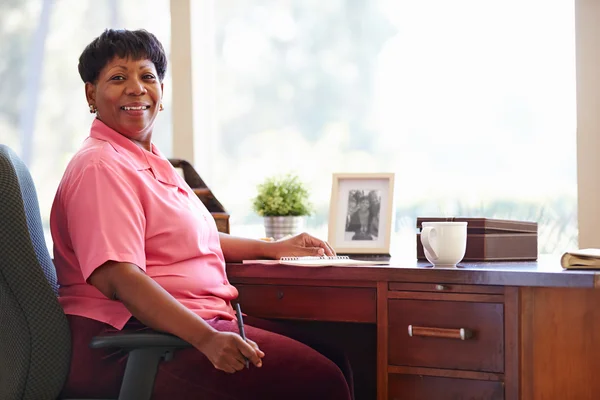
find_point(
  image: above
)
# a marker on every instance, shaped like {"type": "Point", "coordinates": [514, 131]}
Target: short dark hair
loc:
{"type": "Point", "coordinates": [121, 43]}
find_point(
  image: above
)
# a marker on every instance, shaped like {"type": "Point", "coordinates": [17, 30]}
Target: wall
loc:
{"type": "Point", "coordinates": [587, 27]}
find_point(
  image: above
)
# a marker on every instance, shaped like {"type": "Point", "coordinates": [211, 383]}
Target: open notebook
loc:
{"type": "Point", "coordinates": [324, 261]}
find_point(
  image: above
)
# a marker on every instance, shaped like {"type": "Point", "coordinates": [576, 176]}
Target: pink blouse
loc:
{"type": "Point", "coordinates": [119, 202]}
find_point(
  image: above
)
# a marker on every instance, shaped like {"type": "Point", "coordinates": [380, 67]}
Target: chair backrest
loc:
{"type": "Point", "coordinates": [35, 342]}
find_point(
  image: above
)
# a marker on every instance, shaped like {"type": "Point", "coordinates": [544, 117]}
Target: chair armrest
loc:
{"type": "Point", "coordinates": [130, 341]}
{"type": "Point", "coordinates": [145, 351]}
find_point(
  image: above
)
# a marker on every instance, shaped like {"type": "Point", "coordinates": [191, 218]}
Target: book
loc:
{"type": "Point", "coordinates": [581, 259]}
{"type": "Point", "coordinates": [323, 261]}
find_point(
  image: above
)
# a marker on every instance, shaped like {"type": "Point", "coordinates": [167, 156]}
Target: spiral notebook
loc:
{"type": "Point", "coordinates": [324, 261]}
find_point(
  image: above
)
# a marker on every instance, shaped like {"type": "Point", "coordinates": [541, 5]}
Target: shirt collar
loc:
{"type": "Point", "coordinates": [159, 165]}
{"type": "Point", "coordinates": [120, 143]}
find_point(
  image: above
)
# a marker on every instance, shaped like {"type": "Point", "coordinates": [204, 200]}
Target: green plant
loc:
{"type": "Point", "coordinates": [282, 196]}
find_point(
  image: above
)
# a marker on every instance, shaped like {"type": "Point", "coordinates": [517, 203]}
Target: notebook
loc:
{"type": "Point", "coordinates": [323, 261]}
{"type": "Point", "coordinates": [581, 259]}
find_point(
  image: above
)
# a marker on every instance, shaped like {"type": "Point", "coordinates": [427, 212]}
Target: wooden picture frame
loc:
{"type": "Point", "coordinates": [361, 212]}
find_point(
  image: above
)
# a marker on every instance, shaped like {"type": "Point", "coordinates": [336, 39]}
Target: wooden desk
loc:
{"type": "Point", "coordinates": [530, 330]}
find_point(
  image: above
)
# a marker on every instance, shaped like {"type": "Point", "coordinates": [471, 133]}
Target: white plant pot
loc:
{"type": "Point", "coordinates": [278, 227]}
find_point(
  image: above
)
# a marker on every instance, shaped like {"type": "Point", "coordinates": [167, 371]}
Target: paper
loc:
{"type": "Point", "coordinates": [324, 261]}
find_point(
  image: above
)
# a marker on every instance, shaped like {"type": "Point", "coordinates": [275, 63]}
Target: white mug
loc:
{"type": "Point", "coordinates": [444, 243]}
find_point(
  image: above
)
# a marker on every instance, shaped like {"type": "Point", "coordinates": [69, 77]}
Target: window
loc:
{"type": "Point", "coordinates": [43, 111]}
{"type": "Point", "coordinates": [470, 103]}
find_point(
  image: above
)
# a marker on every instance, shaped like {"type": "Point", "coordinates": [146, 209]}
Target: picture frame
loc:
{"type": "Point", "coordinates": [361, 212]}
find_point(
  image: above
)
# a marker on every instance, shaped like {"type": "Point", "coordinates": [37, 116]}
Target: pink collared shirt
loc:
{"type": "Point", "coordinates": [119, 202]}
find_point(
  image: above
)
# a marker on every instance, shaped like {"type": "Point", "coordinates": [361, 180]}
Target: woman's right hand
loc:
{"type": "Point", "coordinates": [226, 351]}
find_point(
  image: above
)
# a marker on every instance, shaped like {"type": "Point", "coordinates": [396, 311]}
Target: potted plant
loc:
{"type": "Point", "coordinates": [283, 201]}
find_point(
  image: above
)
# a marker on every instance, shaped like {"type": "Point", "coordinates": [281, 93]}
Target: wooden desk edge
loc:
{"type": "Point", "coordinates": [527, 277]}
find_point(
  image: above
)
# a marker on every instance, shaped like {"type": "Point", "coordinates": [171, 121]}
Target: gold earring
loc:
{"type": "Point", "coordinates": [92, 109]}
{"type": "Point", "coordinates": [160, 108]}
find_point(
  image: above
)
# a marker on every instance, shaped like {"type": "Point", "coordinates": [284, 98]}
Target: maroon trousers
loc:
{"type": "Point", "coordinates": [292, 367]}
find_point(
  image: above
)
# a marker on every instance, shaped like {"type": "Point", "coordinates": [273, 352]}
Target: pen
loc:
{"type": "Point", "coordinates": [240, 322]}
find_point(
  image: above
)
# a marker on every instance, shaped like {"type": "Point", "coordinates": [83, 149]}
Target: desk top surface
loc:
{"type": "Point", "coordinates": [546, 272]}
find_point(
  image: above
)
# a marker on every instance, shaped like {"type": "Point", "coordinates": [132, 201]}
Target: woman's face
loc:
{"type": "Point", "coordinates": [127, 95]}
{"type": "Point", "coordinates": [364, 204]}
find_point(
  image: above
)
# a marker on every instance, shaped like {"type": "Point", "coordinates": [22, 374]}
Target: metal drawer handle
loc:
{"type": "Point", "coordinates": [280, 295]}
{"type": "Point", "coordinates": [461, 333]}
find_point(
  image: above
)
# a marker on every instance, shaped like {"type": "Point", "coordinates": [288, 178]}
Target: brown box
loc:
{"type": "Point", "coordinates": [492, 239]}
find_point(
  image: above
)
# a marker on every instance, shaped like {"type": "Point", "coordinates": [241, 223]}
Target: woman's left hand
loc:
{"type": "Point", "coordinates": [299, 246]}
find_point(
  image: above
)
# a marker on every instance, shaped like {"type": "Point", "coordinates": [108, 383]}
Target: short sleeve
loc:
{"type": "Point", "coordinates": [105, 218]}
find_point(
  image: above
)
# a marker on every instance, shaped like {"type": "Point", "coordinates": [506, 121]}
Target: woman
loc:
{"type": "Point", "coordinates": [135, 249]}
{"type": "Point", "coordinates": [360, 220]}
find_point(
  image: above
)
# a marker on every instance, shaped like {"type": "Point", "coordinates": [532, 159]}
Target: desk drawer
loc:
{"type": "Point", "coordinates": [339, 304]}
{"type": "Point", "coordinates": [436, 334]}
{"type": "Point", "coordinates": [419, 387]}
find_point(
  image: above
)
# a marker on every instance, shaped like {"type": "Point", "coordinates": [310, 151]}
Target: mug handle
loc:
{"type": "Point", "coordinates": [425, 233]}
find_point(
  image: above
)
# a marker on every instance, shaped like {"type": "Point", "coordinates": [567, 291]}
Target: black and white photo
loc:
{"type": "Point", "coordinates": [362, 219]}
{"type": "Point", "coordinates": [361, 212]}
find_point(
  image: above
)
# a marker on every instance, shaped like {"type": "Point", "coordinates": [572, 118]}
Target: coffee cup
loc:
{"type": "Point", "coordinates": [444, 243]}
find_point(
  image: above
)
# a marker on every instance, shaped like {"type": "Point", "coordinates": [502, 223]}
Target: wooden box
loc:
{"type": "Point", "coordinates": [492, 239]}
{"type": "Point", "coordinates": [205, 195]}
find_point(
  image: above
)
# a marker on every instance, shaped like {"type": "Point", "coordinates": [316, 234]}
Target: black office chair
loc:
{"type": "Point", "coordinates": [35, 342]}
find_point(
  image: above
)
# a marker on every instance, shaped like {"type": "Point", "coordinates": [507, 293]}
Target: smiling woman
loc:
{"type": "Point", "coordinates": [135, 248]}
{"type": "Point", "coordinates": [124, 87]}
